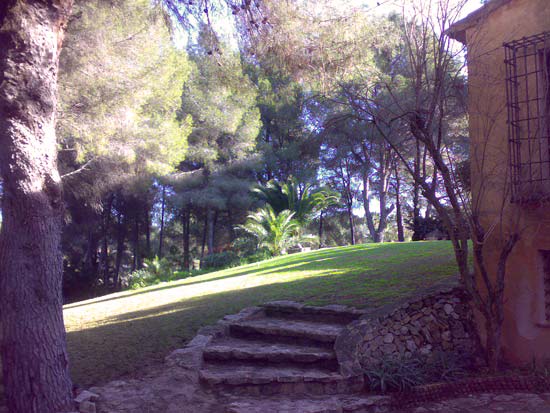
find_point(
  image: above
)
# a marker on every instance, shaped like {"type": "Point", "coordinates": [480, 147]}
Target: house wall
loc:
{"type": "Point", "coordinates": [526, 332]}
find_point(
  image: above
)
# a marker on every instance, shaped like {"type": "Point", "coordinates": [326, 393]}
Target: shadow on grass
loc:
{"type": "Point", "coordinates": [354, 255]}
{"type": "Point", "coordinates": [133, 341]}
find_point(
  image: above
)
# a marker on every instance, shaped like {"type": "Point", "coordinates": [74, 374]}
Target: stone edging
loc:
{"type": "Point", "coordinates": [494, 384]}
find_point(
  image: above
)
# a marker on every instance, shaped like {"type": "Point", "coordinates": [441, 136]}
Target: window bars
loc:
{"type": "Point", "coordinates": [527, 63]}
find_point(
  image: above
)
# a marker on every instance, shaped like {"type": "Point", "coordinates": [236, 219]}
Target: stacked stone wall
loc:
{"type": "Point", "coordinates": [438, 322]}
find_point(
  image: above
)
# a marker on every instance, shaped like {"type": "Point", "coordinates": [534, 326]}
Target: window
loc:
{"type": "Point", "coordinates": [528, 102]}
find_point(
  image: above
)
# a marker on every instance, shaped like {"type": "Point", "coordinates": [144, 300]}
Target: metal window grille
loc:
{"type": "Point", "coordinates": [527, 63]}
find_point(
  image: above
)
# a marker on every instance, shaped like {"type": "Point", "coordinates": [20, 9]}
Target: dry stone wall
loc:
{"type": "Point", "coordinates": [439, 322]}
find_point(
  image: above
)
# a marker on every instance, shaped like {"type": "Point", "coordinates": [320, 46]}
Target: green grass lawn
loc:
{"type": "Point", "coordinates": [123, 333]}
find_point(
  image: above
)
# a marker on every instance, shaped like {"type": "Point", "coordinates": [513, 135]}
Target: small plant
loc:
{"type": "Point", "coordinates": [403, 373]}
{"type": "Point", "coordinates": [446, 366]}
{"type": "Point", "coordinates": [396, 374]}
{"type": "Point", "coordinates": [159, 267]}
{"type": "Point", "coordinates": [539, 368]}
{"type": "Point", "coordinates": [140, 278]}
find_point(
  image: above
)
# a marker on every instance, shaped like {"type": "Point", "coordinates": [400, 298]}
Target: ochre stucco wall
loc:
{"type": "Point", "coordinates": [525, 334]}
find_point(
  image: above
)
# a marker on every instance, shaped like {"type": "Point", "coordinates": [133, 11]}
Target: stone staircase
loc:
{"type": "Point", "coordinates": [281, 347]}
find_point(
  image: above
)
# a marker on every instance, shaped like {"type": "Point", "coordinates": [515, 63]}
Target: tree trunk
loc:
{"type": "Point", "coordinates": [186, 223]}
{"type": "Point", "coordinates": [121, 238]}
{"type": "Point", "coordinates": [416, 236]}
{"type": "Point", "coordinates": [91, 264]}
{"type": "Point", "coordinates": [398, 213]}
{"type": "Point", "coordinates": [366, 207]}
{"type": "Point", "coordinates": [136, 262]}
{"type": "Point", "coordinates": [34, 351]}
{"type": "Point", "coordinates": [162, 211]}
{"type": "Point", "coordinates": [211, 218]}
{"type": "Point", "coordinates": [147, 231]}
{"type": "Point", "coordinates": [204, 231]}
{"type": "Point", "coordinates": [321, 229]}
{"type": "Point", "coordinates": [351, 226]}
{"type": "Point", "coordinates": [105, 240]}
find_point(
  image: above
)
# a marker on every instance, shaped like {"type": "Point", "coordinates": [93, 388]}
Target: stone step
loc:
{"type": "Point", "coordinates": [251, 379]}
{"type": "Point", "coordinates": [312, 404]}
{"type": "Point", "coordinates": [328, 314]}
{"type": "Point", "coordinates": [290, 331]}
{"type": "Point", "coordinates": [228, 349]}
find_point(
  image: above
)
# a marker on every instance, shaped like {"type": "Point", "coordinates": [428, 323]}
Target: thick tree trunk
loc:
{"type": "Point", "coordinates": [34, 352]}
{"type": "Point", "coordinates": [162, 212]}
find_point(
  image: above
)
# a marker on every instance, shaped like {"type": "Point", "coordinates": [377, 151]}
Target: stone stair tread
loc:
{"type": "Point", "coordinates": [233, 348]}
{"type": "Point", "coordinates": [323, 332]}
{"type": "Point", "coordinates": [310, 404]}
{"type": "Point", "coordinates": [332, 309]}
{"type": "Point", "coordinates": [247, 374]}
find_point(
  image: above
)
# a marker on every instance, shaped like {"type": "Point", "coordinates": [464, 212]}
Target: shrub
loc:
{"type": "Point", "coordinates": [403, 373]}
{"type": "Point", "coordinates": [140, 278]}
{"type": "Point", "coordinates": [159, 268]}
{"type": "Point", "coordinates": [245, 246]}
{"type": "Point", "coordinates": [261, 255]}
{"type": "Point", "coordinates": [220, 260]}
{"type": "Point", "coordinates": [395, 374]}
{"type": "Point", "coordinates": [446, 366]}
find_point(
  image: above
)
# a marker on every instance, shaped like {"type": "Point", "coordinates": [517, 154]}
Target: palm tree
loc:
{"type": "Point", "coordinates": [274, 231]}
{"type": "Point", "coordinates": [304, 201]}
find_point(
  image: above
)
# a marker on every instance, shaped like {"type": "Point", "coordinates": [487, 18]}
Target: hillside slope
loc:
{"type": "Point", "coordinates": [124, 333]}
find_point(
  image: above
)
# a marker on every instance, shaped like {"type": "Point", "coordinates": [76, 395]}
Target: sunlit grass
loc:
{"type": "Point", "coordinates": [121, 333]}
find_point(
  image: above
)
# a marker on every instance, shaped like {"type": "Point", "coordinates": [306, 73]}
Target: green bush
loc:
{"type": "Point", "coordinates": [220, 260]}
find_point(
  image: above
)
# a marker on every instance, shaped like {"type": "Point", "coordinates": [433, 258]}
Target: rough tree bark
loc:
{"type": "Point", "coordinates": [34, 352]}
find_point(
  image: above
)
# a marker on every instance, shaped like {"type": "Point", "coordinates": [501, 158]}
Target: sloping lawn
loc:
{"type": "Point", "coordinates": [123, 333]}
